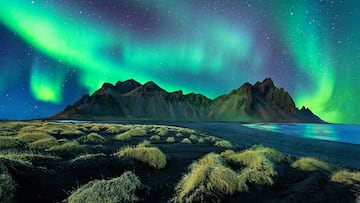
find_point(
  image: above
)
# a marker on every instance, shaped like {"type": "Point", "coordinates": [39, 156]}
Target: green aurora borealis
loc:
{"type": "Point", "coordinates": [311, 48]}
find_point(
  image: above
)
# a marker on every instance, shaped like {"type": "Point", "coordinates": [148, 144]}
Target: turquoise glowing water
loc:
{"type": "Point", "coordinates": [331, 132]}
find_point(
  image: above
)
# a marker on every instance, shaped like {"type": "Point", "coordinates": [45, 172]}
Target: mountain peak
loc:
{"type": "Point", "coordinates": [152, 86]}
{"type": "Point", "coordinates": [127, 86]}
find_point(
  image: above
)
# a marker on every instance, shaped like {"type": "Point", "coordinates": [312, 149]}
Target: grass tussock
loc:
{"type": "Point", "coordinates": [7, 186]}
{"type": "Point", "coordinates": [152, 156]}
{"type": "Point", "coordinates": [45, 143]}
{"type": "Point", "coordinates": [33, 136]}
{"type": "Point", "coordinates": [179, 135]}
{"type": "Point", "coordinates": [208, 179]}
{"type": "Point", "coordinates": [170, 140]}
{"type": "Point", "coordinates": [117, 129]}
{"type": "Point", "coordinates": [10, 142]}
{"type": "Point", "coordinates": [121, 189]}
{"type": "Point", "coordinates": [62, 129]}
{"type": "Point", "coordinates": [163, 131]}
{"type": "Point", "coordinates": [25, 158]}
{"type": "Point", "coordinates": [95, 138]}
{"type": "Point", "coordinates": [224, 144]}
{"type": "Point", "coordinates": [70, 146]}
{"type": "Point", "coordinates": [87, 157]}
{"type": "Point", "coordinates": [155, 137]}
{"type": "Point", "coordinates": [310, 164]}
{"type": "Point", "coordinates": [257, 162]}
{"type": "Point", "coordinates": [135, 132]}
{"type": "Point", "coordinates": [186, 141]}
{"type": "Point", "coordinates": [193, 137]}
{"type": "Point", "coordinates": [201, 140]}
{"type": "Point", "coordinates": [346, 177]}
{"type": "Point", "coordinates": [144, 143]}
{"type": "Point", "coordinates": [94, 128]}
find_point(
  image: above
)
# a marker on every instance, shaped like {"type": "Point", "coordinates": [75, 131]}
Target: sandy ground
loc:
{"type": "Point", "coordinates": [344, 154]}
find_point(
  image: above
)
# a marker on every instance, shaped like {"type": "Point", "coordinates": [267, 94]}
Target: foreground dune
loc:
{"type": "Point", "coordinates": [101, 162]}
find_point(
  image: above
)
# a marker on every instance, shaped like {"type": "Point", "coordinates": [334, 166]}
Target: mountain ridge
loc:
{"type": "Point", "coordinates": [129, 100]}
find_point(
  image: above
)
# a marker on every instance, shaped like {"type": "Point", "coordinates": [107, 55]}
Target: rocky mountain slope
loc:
{"type": "Point", "coordinates": [261, 102]}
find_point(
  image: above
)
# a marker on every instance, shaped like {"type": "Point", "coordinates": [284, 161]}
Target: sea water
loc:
{"type": "Point", "coordinates": [330, 132]}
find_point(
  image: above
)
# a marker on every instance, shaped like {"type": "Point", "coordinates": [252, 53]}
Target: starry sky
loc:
{"type": "Point", "coordinates": [54, 51]}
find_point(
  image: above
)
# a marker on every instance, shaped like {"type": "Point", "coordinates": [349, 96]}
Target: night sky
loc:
{"type": "Point", "coordinates": [54, 51]}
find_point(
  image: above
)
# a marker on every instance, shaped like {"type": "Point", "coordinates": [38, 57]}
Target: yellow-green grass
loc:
{"type": "Point", "coordinates": [144, 143]}
{"type": "Point", "coordinates": [117, 129]}
{"type": "Point", "coordinates": [33, 136]}
{"type": "Point", "coordinates": [179, 135]}
{"type": "Point", "coordinates": [257, 162]}
{"type": "Point", "coordinates": [135, 132]}
{"type": "Point", "coordinates": [201, 140]}
{"type": "Point", "coordinates": [170, 139]}
{"type": "Point", "coordinates": [10, 142]}
{"type": "Point", "coordinates": [346, 177]}
{"type": "Point", "coordinates": [95, 138]}
{"type": "Point", "coordinates": [152, 156]}
{"type": "Point", "coordinates": [212, 138]}
{"type": "Point", "coordinates": [311, 164]}
{"type": "Point", "coordinates": [224, 144]}
{"type": "Point", "coordinates": [61, 129]}
{"type": "Point", "coordinates": [24, 157]}
{"type": "Point", "coordinates": [71, 146]}
{"type": "Point", "coordinates": [208, 178]}
{"type": "Point", "coordinates": [86, 157]}
{"type": "Point", "coordinates": [94, 128]}
{"type": "Point", "coordinates": [155, 137]}
{"type": "Point", "coordinates": [163, 131]}
{"type": "Point", "coordinates": [7, 185]}
{"type": "Point", "coordinates": [45, 143]}
{"type": "Point", "coordinates": [121, 189]}
{"type": "Point", "coordinates": [193, 137]}
{"type": "Point", "coordinates": [186, 141]}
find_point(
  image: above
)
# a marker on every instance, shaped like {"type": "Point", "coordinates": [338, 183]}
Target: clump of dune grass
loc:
{"type": "Point", "coordinates": [224, 144]}
{"type": "Point", "coordinates": [346, 177]}
{"type": "Point", "coordinates": [212, 138]}
{"type": "Point", "coordinates": [201, 140]}
{"type": "Point", "coordinates": [62, 129]}
{"type": "Point", "coordinates": [45, 143]}
{"type": "Point", "coordinates": [193, 137]}
{"type": "Point", "coordinates": [270, 153]}
{"type": "Point", "coordinates": [121, 189]}
{"type": "Point", "coordinates": [10, 142]}
{"type": "Point", "coordinates": [163, 131]}
{"type": "Point", "coordinates": [135, 132]}
{"type": "Point", "coordinates": [257, 162]}
{"type": "Point", "coordinates": [170, 139]}
{"type": "Point", "coordinates": [25, 157]}
{"type": "Point", "coordinates": [7, 185]}
{"type": "Point", "coordinates": [87, 157]}
{"type": "Point", "coordinates": [186, 141]}
{"type": "Point", "coordinates": [94, 128]}
{"type": "Point", "coordinates": [117, 128]}
{"type": "Point", "coordinates": [310, 164]}
{"type": "Point", "coordinates": [95, 138]}
{"type": "Point", "coordinates": [179, 135]}
{"type": "Point", "coordinates": [208, 179]}
{"type": "Point", "coordinates": [152, 156]}
{"type": "Point", "coordinates": [70, 146]}
{"type": "Point", "coordinates": [155, 137]}
{"type": "Point", "coordinates": [144, 143]}
{"type": "Point", "coordinates": [123, 137]}
{"type": "Point", "coordinates": [33, 136]}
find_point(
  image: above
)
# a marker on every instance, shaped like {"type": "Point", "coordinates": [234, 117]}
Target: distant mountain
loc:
{"type": "Point", "coordinates": [261, 102]}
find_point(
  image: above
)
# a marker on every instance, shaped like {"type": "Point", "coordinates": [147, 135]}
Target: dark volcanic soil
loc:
{"type": "Point", "coordinates": [53, 180]}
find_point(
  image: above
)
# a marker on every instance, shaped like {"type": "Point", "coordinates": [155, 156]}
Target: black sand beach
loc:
{"type": "Point", "coordinates": [50, 161]}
